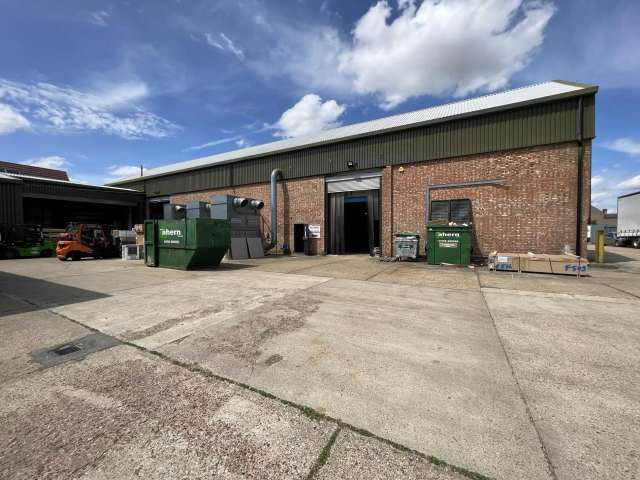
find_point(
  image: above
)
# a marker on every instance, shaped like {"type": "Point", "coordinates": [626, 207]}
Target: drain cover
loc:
{"type": "Point", "coordinates": [66, 349]}
{"type": "Point", "coordinates": [76, 349]}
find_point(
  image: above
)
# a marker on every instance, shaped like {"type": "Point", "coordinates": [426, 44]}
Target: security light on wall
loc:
{"type": "Point", "coordinates": [351, 164]}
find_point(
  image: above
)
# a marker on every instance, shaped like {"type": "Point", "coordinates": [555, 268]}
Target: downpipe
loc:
{"type": "Point", "coordinates": [580, 175]}
{"type": "Point", "coordinates": [275, 175]}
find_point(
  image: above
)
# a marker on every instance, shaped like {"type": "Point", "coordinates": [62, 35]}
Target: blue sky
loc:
{"type": "Point", "coordinates": [98, 87]}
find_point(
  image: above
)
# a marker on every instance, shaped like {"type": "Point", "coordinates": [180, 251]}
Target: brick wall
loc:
{"type": "Point", "coordinates": [299, 201]}
{"type": "Point", "coordinates": [534, 211]}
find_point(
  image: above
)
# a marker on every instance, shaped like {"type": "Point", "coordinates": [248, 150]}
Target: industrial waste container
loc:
{"type": "Point", "coordinates": [186, 244]}
{"type": "Point", "coordinates": [449, 244]}
{"type": "Point", "coordinates": [405, 245]}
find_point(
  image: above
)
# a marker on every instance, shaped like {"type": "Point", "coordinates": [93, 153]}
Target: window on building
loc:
{"type": "Point", "coordinates": [445, 211]}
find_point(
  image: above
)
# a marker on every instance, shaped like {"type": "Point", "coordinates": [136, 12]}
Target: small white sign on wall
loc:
{"type": "Point", "coordinates": [314, 231]}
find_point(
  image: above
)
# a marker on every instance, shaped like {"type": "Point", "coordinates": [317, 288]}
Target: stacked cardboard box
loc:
{"type": "Point", "coordinates": [539, 263]}
{"type": "Point", "coordinates": [509, 262]}
{"type": "Point", "coordinates": [139, 229]}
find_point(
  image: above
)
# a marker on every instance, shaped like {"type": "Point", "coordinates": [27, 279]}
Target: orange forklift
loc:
{"type": "Point", "coordinates": [82, 240]}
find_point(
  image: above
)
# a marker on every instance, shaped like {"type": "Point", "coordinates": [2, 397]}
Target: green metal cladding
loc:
{"type": "Point", "coordinates": [538, 124]}
{"type": "Point", "coordinates": [11, 202]}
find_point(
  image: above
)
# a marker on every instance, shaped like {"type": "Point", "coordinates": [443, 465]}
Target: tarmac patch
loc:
{"type": "Point", "coordinates": [73, 350]}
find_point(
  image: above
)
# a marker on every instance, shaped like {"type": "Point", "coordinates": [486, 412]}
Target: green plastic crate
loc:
{"type": "Point", "coordinates": [449, 244]}
{"type": "Point", "coordinates": [186, 244]}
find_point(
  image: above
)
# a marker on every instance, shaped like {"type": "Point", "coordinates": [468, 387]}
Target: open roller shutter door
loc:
{"type": "Point", "coordinates": [355, 182]}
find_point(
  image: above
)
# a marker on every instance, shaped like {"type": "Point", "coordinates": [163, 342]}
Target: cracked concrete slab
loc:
{"type": "Point", "coordinates": [123, 414]}
{"type": "Point", "coordinates": [421, 275]}
{"type": "Point", "coordinates": [359, 269]}
{"type": "Point", "coordinates": [23, 333]}
{"type": "Point", "coordinates": [410, 368]}
{"type": "Point", "coordinates": [170, 312]}
{"type": "Point", "coordinates": [287, 264]}
{"type": "Point", "coordinates": [546, 283]}
{"type": "Point", "coordinates": [355, 457]}
{"type": "Point", "coordinates": [578, 364]}
{"type": "Point", "coordinates": [29, 294]}
{"type": "Point", "coordinates": [398, 354]}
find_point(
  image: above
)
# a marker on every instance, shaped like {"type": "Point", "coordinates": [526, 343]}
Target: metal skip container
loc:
{"type": "Point", "coordinates": [449, 244]}
{"type": "Point", "coordinates": [186, 244]}
{"type": "Point", "coordinates": [405, 245]}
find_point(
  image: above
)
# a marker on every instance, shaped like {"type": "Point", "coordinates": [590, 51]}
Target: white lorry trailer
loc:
{"type": "Point", "coordinates": [629, 220]}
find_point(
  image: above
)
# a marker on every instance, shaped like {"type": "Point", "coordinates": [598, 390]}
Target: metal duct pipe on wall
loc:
{"type": "Point", "coordinates": [240, 202]}
{"type": "Point", "coordinates": [256, 204]}
{"type": "Point", "coordinates": [275, 174]}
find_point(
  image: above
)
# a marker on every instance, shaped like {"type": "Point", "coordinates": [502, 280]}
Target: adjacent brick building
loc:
{"type": "Point", "coordinates": [526, 151]}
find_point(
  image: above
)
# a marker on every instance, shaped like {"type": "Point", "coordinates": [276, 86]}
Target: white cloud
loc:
{"type": "Point", "coordinates": [308, 116]}
{"type": "Point", "coordinates": [12, 121]}
{"type": "Point", "coordinates": [605, 188]}
{"type": "Point", "coordinates": [224, 43]}
{"type": "Point", "coordinates": [404, 50]}
{"type": "Point", "coordinates": [624, 145]}
{"type": "Point", "coordinates": [213, 143]}
{"type": "Point", "coordinates": [443, 47]}
{"type": "Point", "coordinates": [607, 56]}
{"type": "Point", "coordinates": [54, 161]}
{"type": "Point", "coordinates": [308, 54]}
{"type": "Point", "coordinates": [120, 95]}
{"type": "Point", "coordinates": [123, 171]}
{"type": "Point", "coordinates": [111, 110]}
{"type": "Point", "coordinates": [240, 139]}
{"type": "Point", "coordinates": [99, 18]}
{"type": "Point", "coordinates": [633, 182]}
{"type": "Point", "coordinates": [604, 192]}
{"type": "Point", "coordinates": [597, 180]}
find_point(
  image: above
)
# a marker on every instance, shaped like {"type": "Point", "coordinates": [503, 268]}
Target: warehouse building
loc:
{"type": "Point", "coordinates": [46, 197]}
{"type": "Point", "coordinates": [517, 164]}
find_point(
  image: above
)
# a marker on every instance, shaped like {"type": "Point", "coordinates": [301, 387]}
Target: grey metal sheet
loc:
{"type": "Point", "coordinates": [256, 250]}
{"type": "Point", "coordinates": [239, 249]}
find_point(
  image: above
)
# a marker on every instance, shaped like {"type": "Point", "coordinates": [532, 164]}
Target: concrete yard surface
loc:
{"type": "Point", "coordinates": [320, 367]}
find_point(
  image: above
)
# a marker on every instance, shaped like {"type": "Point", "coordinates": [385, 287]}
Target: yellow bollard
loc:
{"type": "Point", "coordinates": [600, 246]}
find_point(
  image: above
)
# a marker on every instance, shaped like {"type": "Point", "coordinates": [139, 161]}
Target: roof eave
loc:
{"type": "Point", "coordinates": [22, 178]}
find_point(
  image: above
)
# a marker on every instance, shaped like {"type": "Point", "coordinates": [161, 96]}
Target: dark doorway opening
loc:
{"type": "Point", "coordinates": [156, 210]}
{"type": "Point", "coordinates": [354, 221]}
{"type": "Point", "coordinates": [58, 213]}
{"type": "Point", "coordinates": [298, 237]}
{"type": "Point", "coordinates": [356, 225]}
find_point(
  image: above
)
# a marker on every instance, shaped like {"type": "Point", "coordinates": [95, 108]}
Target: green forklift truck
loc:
{"type": "Point", "coordinates": [24, 241]}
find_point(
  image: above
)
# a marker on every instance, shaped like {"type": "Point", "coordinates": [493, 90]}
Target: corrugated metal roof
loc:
{"type": "Point", "coordinates": [17, 177]}
{"type": "Point", "coordinates": [21, 169]}
{"type": "Point", "coordinates": [498, 101]}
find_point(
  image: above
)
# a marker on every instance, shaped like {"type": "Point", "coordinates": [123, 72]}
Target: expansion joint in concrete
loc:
{"type": "Point", "coordinates": [309, 412]}
{"type": "Point", "coordinates": [324, 454]}
{"type": "Point", "coordinates": [620, 290]}
{"type": "Point", "coordinates": [523, 397]}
